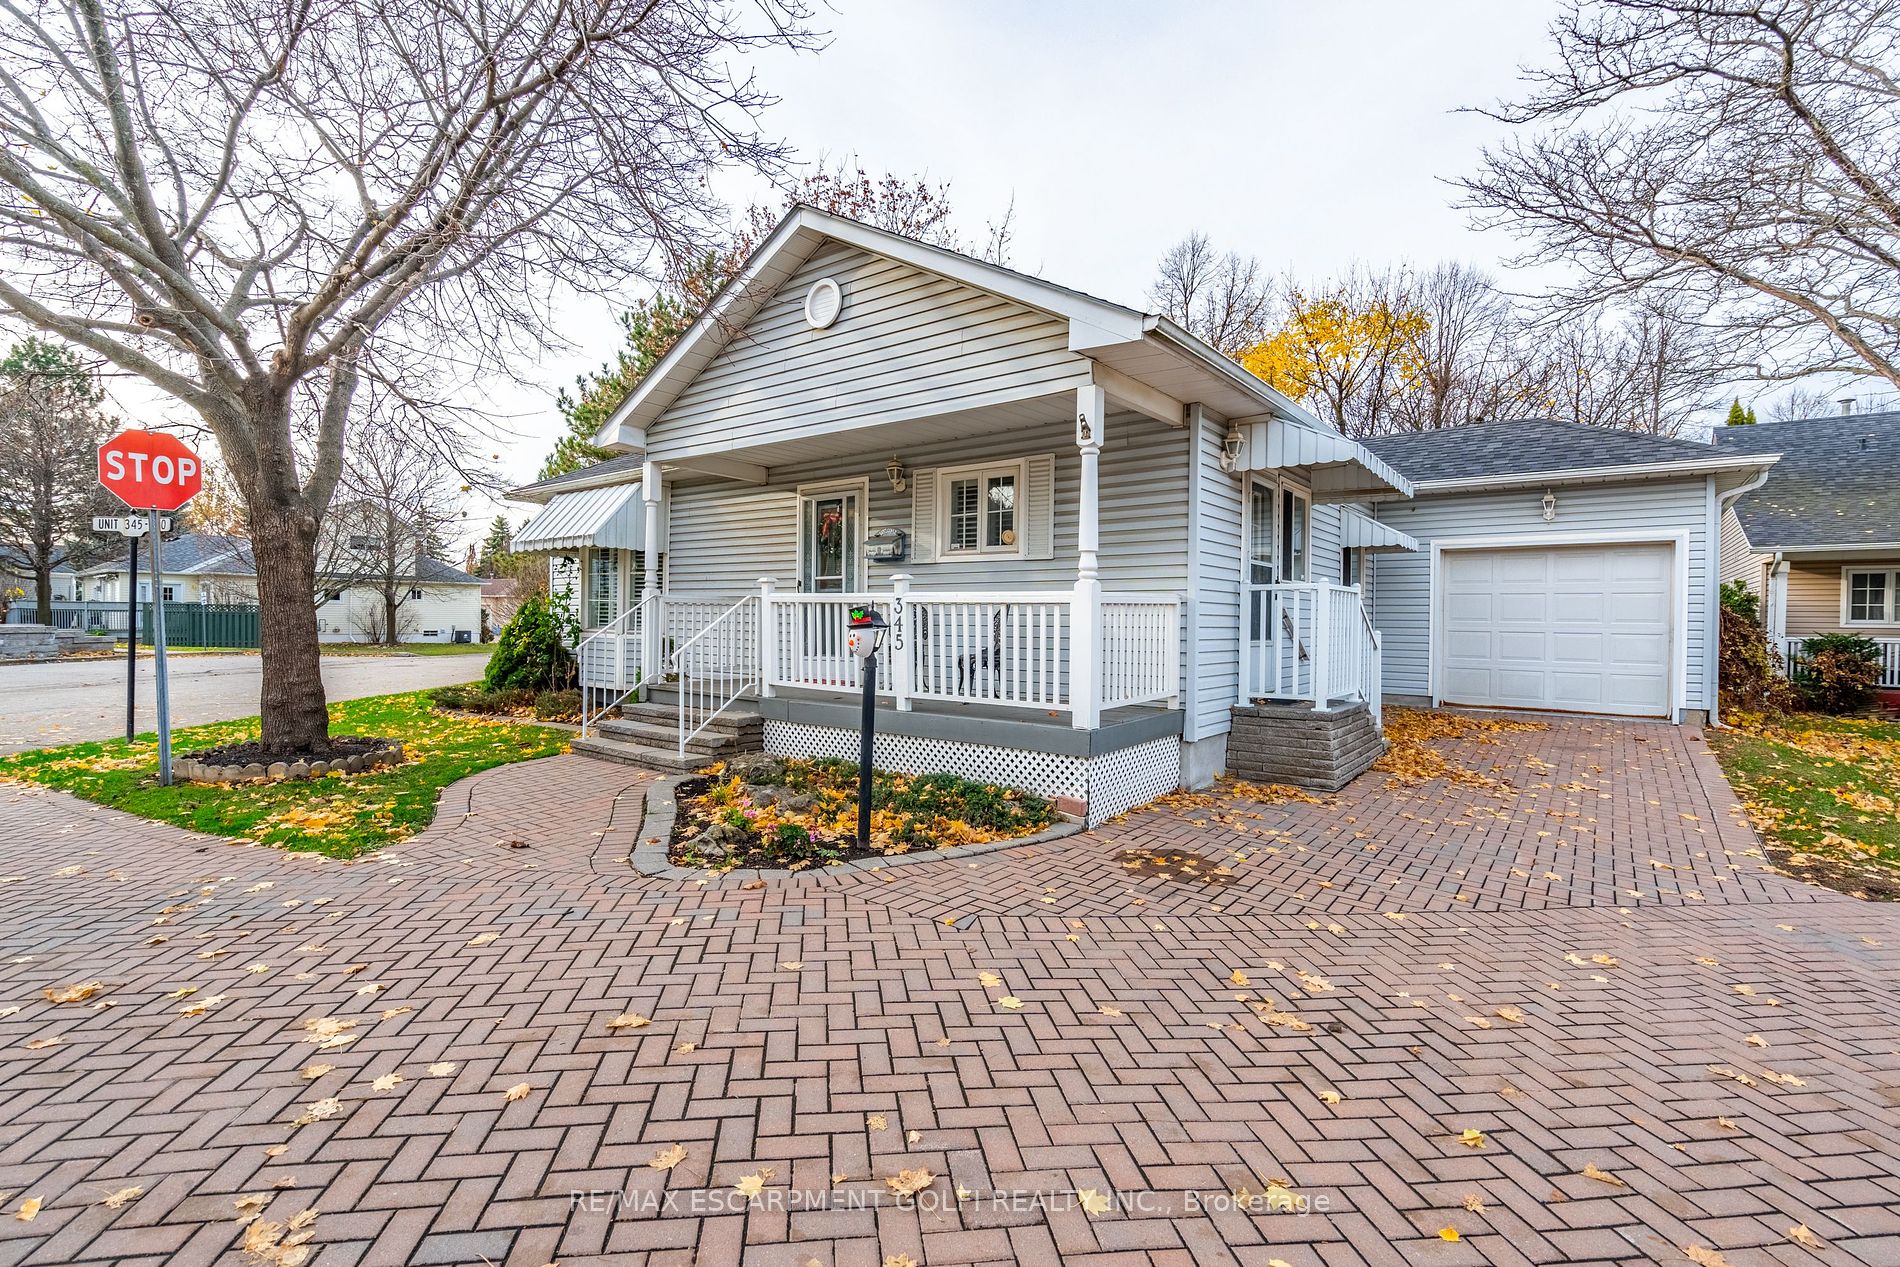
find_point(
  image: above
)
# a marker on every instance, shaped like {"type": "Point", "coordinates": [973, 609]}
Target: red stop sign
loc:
{"type": "Point", "coordinates": [149, 470]}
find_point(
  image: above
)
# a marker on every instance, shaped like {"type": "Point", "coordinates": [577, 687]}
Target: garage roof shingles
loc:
{"type": "Point", "coordinates": [1526, 446]}
{"type": "Point", "coordinates": [1838, 481]}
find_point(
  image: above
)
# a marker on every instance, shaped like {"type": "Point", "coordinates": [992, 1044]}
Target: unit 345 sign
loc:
{"type": "Point", "coordinates": [149, 470]}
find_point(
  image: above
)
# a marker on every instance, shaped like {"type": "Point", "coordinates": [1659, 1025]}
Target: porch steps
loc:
{"type": "Point", "coordinates": [646, 734]}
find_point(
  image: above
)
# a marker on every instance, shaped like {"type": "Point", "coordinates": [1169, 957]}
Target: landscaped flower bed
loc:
{"type": "Point", "coordinates": [766, 811]}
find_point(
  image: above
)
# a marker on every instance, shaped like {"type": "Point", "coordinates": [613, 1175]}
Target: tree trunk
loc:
{"type": "Point", "coordinates": [43, 579]}
{"type": "Point", "coordinates": [390, 633]}
{"type": "Point", "coordinates": [284, 549]}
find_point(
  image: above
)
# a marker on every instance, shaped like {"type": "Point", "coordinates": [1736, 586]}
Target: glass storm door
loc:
{"type": "Point", "coordinates": [830, 537]}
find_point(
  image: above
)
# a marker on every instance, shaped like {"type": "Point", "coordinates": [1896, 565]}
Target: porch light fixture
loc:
{"type": "Point", "coordinates": [894, 471]}
{"type": "Point", "coordinates": [1230, 450]}
{"type": "Point", "coordinates": [1550, 506]}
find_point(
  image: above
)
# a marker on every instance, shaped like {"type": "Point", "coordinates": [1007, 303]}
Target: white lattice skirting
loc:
{"type": "Point", "coordinates": [1109, 784]}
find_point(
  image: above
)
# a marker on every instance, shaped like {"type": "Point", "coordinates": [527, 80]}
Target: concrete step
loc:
{"type": "Point", "coordinates": [647, 758]}
{"type": "Point", "coordinates": [741, 718]}
{"type": "Point", "coordinates": [655, 734]}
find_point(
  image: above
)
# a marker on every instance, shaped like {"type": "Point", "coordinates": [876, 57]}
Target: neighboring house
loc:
{"type": "Point", "coordinates": [16, 572]}
{"type": "Point", "coordinates": [1114, 562]}
{"type": "Point", "coordinates": [441, 602]}
{"type": "Point", "coordinates": [501, 597]}
{"type": "Point", "coordinates": [1819, 541]}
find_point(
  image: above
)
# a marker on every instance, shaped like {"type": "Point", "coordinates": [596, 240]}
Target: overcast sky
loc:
{"type": "Point", "coordinates": [1311, 135]}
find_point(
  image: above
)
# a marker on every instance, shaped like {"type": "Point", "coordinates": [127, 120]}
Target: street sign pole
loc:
{"type": "Point", "coordinates": [158, 660]}
{"type": "Point", "coordinates": [131, 636]}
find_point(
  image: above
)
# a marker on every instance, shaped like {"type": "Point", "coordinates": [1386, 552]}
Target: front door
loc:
{"type": "Point", "coordinates": [830, 541]}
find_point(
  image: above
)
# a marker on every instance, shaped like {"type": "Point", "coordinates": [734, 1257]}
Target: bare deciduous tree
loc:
{"type": "Point", "coordinates": [255, 205]}
{"type": "Point", "coordinates": [1737, 160]}
{"type": "Point", "coordinates": [393, 503]}
{"type": "Point", "coordinates": [1647, 369]}
{"type": "Point", "coordinates": [1221, 297]}
{"type": "Point", "coordinates": [50, 425]}
{"type": "Point", "coordinates": [1471, 364]}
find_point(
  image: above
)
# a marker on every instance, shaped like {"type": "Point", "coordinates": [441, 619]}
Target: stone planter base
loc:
{"type": "Point", "coordinates": [196, 771]}
{"type": "Point", "coordinates": [1318, 750]}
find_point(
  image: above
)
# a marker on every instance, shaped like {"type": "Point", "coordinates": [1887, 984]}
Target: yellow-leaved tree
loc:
{"type": "Point", "coordinates": [1347, 353]}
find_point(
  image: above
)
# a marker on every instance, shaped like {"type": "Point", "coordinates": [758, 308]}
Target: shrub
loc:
{"type": "Point", "coordinates": [1838, 672]}
{"type": "Point", "coordinates": [1738, 598]}
{"type": "Point", "coordinates": [530, 654]}
{"type": "Point", "coordinates": [1751, 675]}
{"type": "Point", "coordinates": [557, 705]}
{"type": "Point", "coordinates": [455, 697]}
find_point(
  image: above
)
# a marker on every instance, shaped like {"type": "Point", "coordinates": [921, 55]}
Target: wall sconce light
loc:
{"type": "Point", "coordinates": [894, 471]}
{"type": "Point", "coordinates": [1550, 506]}
{"type": "Point", "coordinates": [1230, 451]}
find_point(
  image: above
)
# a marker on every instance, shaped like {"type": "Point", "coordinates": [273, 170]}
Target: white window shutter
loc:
{"type": "Point", "coordinates": [923, 516]}
{"type": "Point", "coordinates": [1041, 499]}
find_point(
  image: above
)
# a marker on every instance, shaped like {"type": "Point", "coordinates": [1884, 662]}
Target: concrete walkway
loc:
{"type": "Point", "coordinates": [1587, 964]}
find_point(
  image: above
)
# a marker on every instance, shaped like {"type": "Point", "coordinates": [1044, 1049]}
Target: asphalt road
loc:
{"type": "Point", "coordinates": [68, 700]}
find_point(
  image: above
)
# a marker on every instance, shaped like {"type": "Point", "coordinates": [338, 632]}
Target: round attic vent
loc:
{"type": "Point", "coordinates": [823, 302]}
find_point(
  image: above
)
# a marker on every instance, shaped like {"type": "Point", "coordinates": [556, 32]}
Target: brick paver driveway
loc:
{"type": "Point", "coordinates": [1592, 968]}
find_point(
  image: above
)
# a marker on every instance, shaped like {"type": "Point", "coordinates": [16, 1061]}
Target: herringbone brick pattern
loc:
{"type": "Point", "coordinates": [1410, 912]}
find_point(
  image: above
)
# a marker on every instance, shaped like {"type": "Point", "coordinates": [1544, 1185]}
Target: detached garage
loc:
{"type": "Point", "coordinates": [1562, 568]}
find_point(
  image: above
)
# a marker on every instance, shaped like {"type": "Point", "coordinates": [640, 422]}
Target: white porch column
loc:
{"type": "Point", "coordinates": [1085, 615]}
{"type": "Point", "coordinates": [653, 627]}
{"type": "Point", "coordinates": [768, 636]}
{"type": "Point", "coordinates": [898, 647]}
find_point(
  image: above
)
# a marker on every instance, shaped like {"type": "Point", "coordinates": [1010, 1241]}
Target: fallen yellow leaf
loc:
{"type": "Point", "coordinates": [668, 1157]}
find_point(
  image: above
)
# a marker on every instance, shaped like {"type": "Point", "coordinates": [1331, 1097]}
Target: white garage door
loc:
{"type": "Point", "coordinates": [1580, 629]}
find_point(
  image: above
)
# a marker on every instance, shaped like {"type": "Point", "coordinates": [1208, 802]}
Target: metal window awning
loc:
{"type": "Point", "coordinates": [1356, 532]}
{"type": "Point", "coordinates": [610, 517]}
{"type": "Point", "coordinates": [1340, 469]}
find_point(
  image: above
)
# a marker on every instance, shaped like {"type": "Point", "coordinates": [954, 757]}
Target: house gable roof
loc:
{"type": "Point", "coordinates": [1532, 449]}
{"type": "Point", "coordinates": [214, 554]}
{"type": "Point", "coordinates": [1837, 484]}
{"type": "Point", "coordinates": [1126, 345]}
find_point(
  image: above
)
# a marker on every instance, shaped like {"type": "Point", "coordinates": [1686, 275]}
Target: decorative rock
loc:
{"type": "Point", "coordinates": [319, 768]}
{"type": "Point", "coordinates": [277, 770]}
{"type": "Point", "coordinates": [299, 770]}
{"type": "Point", "coordinates": [757, 767]}
{"type": "Point", "coordinates": [253, 771]}
{"type": "Point", "coordinates": [353, 764]}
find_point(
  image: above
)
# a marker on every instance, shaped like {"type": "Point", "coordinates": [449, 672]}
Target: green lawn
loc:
{"type": "Point", "coordinates": [338, 815]}
{"type": "Point", "coordinates": [1825, 792]}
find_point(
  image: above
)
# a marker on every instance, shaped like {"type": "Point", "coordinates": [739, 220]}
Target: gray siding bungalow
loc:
{"type": "Point", "coordinates": [1100, 544]}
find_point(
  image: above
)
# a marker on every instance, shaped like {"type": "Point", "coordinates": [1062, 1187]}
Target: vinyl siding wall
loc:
{"type": "Point", "coordinates": [1739, 563]}
{"type": "Point", "coordinates": [1402, 600]}
{"type": "Point", "coordinates": [725, 536]}
{"type": "Point", "coordinates": [1215, 605]}
{"type": "Point", "coordinates": [906, 344]}
{"type": "Point", "coordinates": [1814, 599]}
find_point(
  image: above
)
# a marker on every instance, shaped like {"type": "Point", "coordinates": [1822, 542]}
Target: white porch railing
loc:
{"type": "Point", "coordinates": [611, 661]}
{"type": "Point", "coordinates": [1309, 640]}
{"type": "Point", "coordinates": [1013, 649]}
{"type": "Point", "coordinates": [1792, 655]}
{"type": "Point", "coordinates": [715, 666]}
{"type": "Point", "coordinates": [804, 640]}
{"type": "Point", "coordinates": [1141, 650]}
{"type": "Point", "coordinates": [989, 648]}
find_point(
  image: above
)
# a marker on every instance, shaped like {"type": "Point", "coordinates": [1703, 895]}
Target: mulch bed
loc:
{"type": "Point", "coordinates": [251, 752]}
{"type": "Point", "coordinates": [693, 820]}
